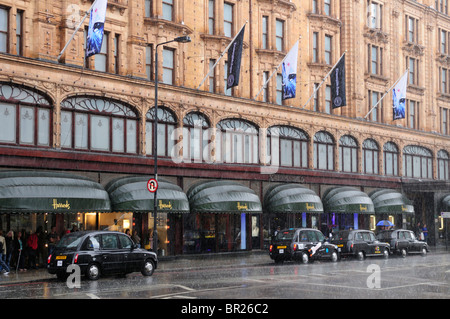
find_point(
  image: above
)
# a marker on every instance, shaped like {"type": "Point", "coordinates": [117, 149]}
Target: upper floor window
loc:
{"type": "Point", "coordinates": [287, 146]}
{"type": "Point", "coordinates": [237, 141]}
{"type": "Point", "coordinates": [166, 125]}
{"type": "Point", "coordinates": [412, 29]}
{"type": "Point", "coordinates": [412, 113]}
{"type": "Point", "coordinates": [417, 162]}
{"type": "Point", "coordinates": [328, 46]}
{"type": "Point", "coordinates": [167, 10]}
{"type": "Point", "coordinates": [148, 8]}
{"type": "Point", "coordinates": [348, 154]}
{"type": "Point", "coordinates": [323, 151]}
{"type": "Point", "coordinates": [442, 6]}
{"type": "Point", "coordinates": [196, 137]}
{"type": "Point", "coordinates": [391, 156]}
{"type": "Point", "coordinates": [98, 124]}
{"type": "Point", "coordinates": [265, 32]}
{"type": "Point", "coordinates": [228, 19]}
{"type": "Point", "coordinates": [19, 32]}
{"type": "Point", "coordinates": [413, 65]}
{"type": "Point", "coordinates": [211, 17]}
{"type": "Point", "coordinates": [25, 116]}
{"type": "Point", "coordinates": [374, 14]}
{"type": "Point", "coordinates": [279, 34]}
{"type": "Point", "coordinates": [443, 165]}
{"type": "Point", "coordinates": [375, 59]}
{"type": "Point", "coordinates": [370, 157]}
{"type": "Point", "coordinates": [445, 126]}
{"type": "Point", "coordinates": [327, 7]}
{"type": "Point", "coordinates": [168, 66]}
{"type": "Point", "coordinates": [443, 41]}
{"type": "Point", "coordinates": [4, 25]}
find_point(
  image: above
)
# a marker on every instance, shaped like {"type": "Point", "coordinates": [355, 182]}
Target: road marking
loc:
{"type": "Point", "coordinates": [92, 296]}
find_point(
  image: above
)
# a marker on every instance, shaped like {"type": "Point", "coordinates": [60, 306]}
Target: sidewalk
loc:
{"type": "Point", "coordinates": [178, 263]}
{"type": "Point", "coordinates": [165, 264]}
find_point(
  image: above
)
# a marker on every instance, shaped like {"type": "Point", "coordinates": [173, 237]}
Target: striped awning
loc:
{"type": "Point", "coordinates": [347, 200]}
{"type": "Point", "coordinates": [292, 198]}
{"type": "Point", "coordinates": [388, 201]}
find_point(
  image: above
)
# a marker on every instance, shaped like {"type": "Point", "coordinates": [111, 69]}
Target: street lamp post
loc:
{"type": "Point", "coordinates": [184, 39]}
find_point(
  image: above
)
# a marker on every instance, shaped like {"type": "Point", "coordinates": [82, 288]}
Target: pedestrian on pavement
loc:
{"type": "Point", "coordinates": [425, 233]}
{"type": "Point", "coordinates": [53, 239]}
{"type": "Point", "coordinates": [20, 252]}
{"type": "Point", "coordinates": [3, 266]}
{"type": "Point", "coordinates": [32, 244]}
{"type": "Point", "coordinates": [9, 247]}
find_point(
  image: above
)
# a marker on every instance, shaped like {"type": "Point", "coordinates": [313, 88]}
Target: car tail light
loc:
{"type": "Point", "coordinates": [75, 260]}
{"type": "Point", "coordinates": [270, 248]}
{"type": "Point", "coordinates": [295, 247]}
{"type": "Point", "coordinates": [49, 258]}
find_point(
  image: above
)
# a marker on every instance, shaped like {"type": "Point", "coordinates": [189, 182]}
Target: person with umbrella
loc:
{"type": "Point", "coordinates": [385, 224]}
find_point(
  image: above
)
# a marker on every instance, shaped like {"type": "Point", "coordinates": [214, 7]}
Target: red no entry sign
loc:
{"type": "Point", "coordinates": [152, 185]}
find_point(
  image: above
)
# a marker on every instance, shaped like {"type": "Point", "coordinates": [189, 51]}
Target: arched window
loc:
{"type": "Point", "coordinates": [370, 157]}
{"type": "Point", "coordinates": [287, 146]}
{"type": "Point", "coordinates": [417, 162]}
{"type": "Point", "coordinates": [443, 165]}
{"type": "Point", "coordinates": [196, 137]}
{"type": "Point", "coordinates": [237, 141]}
{"type": "Point", "coordinates": [323, 151]}
{"type": "Point", "coordinates": [391, 156]}
{"type": "Point", "coordinates": [348, 154]}
{"type": "Point", "coordinates": [98, 124]}
{"type": "Point", "coordinates": [25, 117]}
{"type": "Point", "coordinates": [166, 125]}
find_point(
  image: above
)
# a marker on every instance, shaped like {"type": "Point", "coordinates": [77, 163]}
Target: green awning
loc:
{"type": "Point", "coordinates": [130, 194]}
{"type": "Point", "coordinates": [223, 197]}
{"type": "Point", "coordinates": [347, 200]}
{"type": "Point", "coordinates": [292, 198]}
{"type": "Point", "coordinates": [388, 201]}
{"type": "Point", "coordinates": [50, 192]}
{"type": "Point", "coordinates": [445, 205]}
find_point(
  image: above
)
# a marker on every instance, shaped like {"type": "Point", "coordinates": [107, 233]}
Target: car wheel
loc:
{"type": "Point", "coordinates": [360, 255]}
{"type": "Point", "coordinates": [148, 268]}
{"type": "Point", "coordinates": [305, 258]}
{"type": "Point", "coordinates": [334, 257]}
{"type": "Point", "coordinates": [386, 253]}
{"type": "Point", "coordinates": [424, 251]}
{"type": "Point", "coordinates": [403, 252]}
{"type": "Point", "coordinates": [93, 272]}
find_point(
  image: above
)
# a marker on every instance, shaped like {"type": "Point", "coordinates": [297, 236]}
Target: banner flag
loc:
{"type": "Point", "coordinates": [399, 97]}
{"type": "Point", "coordinates": [338, 98]}
{"type": "Point", "coordinates": [234, 60]}
{"type": "Point", "coordinates": [289, 73]}
{"type": "Point", "coordinates": [96, 27]}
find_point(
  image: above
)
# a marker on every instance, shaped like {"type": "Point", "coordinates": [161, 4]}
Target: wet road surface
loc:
{"type": "Point", "coordinates": [410, 277]}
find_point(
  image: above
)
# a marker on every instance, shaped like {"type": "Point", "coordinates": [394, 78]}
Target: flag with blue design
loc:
{"type": "Point", "coordinates": [96, 28]}
{"type": "Point", "coordinates": [289, 73]}
{"type": "Point", "coordinates": [399, 97]}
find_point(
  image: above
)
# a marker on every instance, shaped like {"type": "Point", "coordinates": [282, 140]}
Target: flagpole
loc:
{"type": "Point", "coordinates": [323, 81]}
{"type": "Point", "coordinates": [221, 56]}
{"type": "Point", "coordinates": [371, 110]}
{"type": "Point", "coordinates": [76, 30]}
{"type": "Point", "coordinates": [273, 73]}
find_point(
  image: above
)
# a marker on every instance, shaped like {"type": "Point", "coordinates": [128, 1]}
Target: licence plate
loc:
{"type": "Point", "coordinates": [281, 247]}
{"type": "Point", "coordinates": [340, 245]}
{"type": "Point", "coordinates": [281, 251]}
{"type": "Point", "coordinates": [61, 257]}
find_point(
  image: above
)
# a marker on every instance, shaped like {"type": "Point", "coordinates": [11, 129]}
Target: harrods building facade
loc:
{"type": "Point", "coordinates": [76, 137]}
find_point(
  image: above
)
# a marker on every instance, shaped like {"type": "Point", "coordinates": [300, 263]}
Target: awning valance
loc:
{"type": "Point", "coordinates": [223, 197]}
{"type": "Point", "coordinates": [50, 192]}
{"type": "Point", "coordinates": [292, 198]}
{"type": "Point", "coordinates": [388, 201]}
{"type": "Point", "coordinates": [130, 194]}
{"type": "Point", "coordinates": [347, 200]}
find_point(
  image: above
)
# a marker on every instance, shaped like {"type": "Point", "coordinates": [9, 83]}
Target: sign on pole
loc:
{"type": "Point", "coordinates": [445, 214]}
{"type": "Point", "coordinates": [152, 185]}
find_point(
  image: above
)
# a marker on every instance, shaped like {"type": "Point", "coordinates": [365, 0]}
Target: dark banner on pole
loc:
{"type": "Point", "coordinates": [234, 60]}
{"type": "Point", "coordinates": [338, 98]}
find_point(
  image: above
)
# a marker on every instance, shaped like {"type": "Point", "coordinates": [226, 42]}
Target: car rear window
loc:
{"type": "Point", "coordinates": [70, 241]}
{"type": "Point", "coordinates": [287, 234]}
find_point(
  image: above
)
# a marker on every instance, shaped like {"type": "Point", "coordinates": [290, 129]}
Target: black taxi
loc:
{"type": "Point", "coordinates": [403, 242]}
{"type": "Point", "coordinates": [301, 244]}
{"type": "Point", "coordinates": [360, 243]}
{"type": "Point", "coordinates": [99, 253]}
